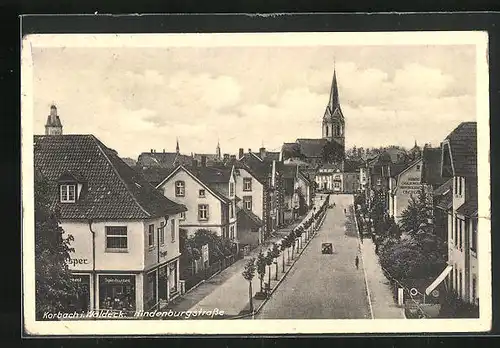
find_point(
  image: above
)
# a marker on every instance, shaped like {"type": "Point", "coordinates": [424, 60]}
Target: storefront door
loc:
{"type": "Point", "coordinates": [172, 277]}
{"type": "Point", "coordinates": [162, 284]}
{"type": "Point", "coordinates": [117, 292]}
{"type": "Point", "coordinates": [82, 301]}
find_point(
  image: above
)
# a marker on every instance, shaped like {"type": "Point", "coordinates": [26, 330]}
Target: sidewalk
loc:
{"type": "Point", "coordinates": [383, 304]}
{"type": "Point", "coordinates": [228, 291]}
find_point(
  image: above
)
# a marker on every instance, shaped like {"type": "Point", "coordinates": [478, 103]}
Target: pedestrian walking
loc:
{"type": "Point", "coordinates": [356, 262]}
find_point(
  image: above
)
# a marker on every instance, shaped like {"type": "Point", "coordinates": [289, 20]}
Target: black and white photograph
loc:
{"type": "Point", "coordinates": [282, 182]}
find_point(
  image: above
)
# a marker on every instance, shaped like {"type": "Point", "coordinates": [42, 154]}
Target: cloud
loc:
{"type": "Point", "coordinates": [135, 101]}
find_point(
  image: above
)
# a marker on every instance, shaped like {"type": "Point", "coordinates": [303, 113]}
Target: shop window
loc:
{"type": "Point", "coordinates": [247, 184]}
{"type": "Point", "coordinates": [180, 188]}
{"type": "Point", "coordinates": [150, 293]}
{"type": "Point", "coordinates": [117, 292]}
{"type": "Point", "coordinates": [81, 302]}
{"type": "Point", "coordinates": [116, 238]}
{"type": "Point", "coordinates": [68, 193]}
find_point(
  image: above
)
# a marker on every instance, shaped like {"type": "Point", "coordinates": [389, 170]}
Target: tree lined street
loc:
{"type": "Point", "coordinates": [325, 286]}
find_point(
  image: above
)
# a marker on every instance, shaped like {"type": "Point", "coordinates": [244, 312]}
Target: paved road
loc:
{"type": "Point", "coordinates": [324, 286]}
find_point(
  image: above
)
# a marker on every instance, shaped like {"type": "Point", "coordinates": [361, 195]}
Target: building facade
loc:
{"type": "Point", "coordinates": [459, 163]}
{"type": "Point", "coordinates": [126, 234]}
{"type": "Point", "coordinates": [209, 195]}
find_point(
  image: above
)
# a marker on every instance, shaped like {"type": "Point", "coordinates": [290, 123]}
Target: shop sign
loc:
{"type": "Point", "coordinates": [117, 279]}
{"type": "Point", "coordinates": [80, 279]}
{"type": "Point", "coordinates": [410, 186]}
{"type": "Point", "coordinates": [75, 262]}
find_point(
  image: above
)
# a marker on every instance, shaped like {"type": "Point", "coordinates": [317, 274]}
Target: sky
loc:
{"type": "Point", "coordinates": [137, 99]}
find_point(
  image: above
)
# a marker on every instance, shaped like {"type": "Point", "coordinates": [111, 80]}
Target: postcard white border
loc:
{"type": "Point", "coordinates": [267, 327]}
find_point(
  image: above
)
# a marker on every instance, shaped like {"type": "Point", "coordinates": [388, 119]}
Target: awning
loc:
{"type": "Point", "coordinates": [438, 280]}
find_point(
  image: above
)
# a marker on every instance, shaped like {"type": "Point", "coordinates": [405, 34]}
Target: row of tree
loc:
{"type": "Point", "coordinates": [411, 250]}
{"type": "Point", "coordinates": [292, 242]}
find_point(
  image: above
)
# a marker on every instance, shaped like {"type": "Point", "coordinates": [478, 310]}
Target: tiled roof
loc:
{"type": "Point", "coordinates": [211, 174]}
{"type": "Point", "coordinates": [211, 158]}
{"type": "Point", "coordinates": [154, 175]}
{"type": "Point", "coordinates": [261, 169]}
{"type": "Point", "coordinates": [463, 145]}
{"type": "Point", "coordinates": [112, 190]}
{"type": "Point", "coordinates": [312, 147]}
{"type": "Point", "coordinates": [130, 161]}
{"type": "Point", "coordinates": [241, 165]}
{"type": "Point", "coordinates": [162, 159]}
{"type": "Point", "coordinates": [250, 215]}
{"type": "Point", "coordinates": [431, 166]}
{"type": "Point", "coordinates": [397, 168]}
{"type": "Point", "coordinates": [469, 208]}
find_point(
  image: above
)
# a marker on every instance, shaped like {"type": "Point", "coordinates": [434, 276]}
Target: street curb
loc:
{"type": "Point", "coordinates": [361, 247]}
{"type": "Point", "coordinates": [283, 276]}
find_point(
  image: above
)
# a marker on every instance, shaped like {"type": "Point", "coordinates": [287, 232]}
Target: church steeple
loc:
{"type": "Point", "coordinates": [333, 125]}
{"type": "Point", "coordinates": [217, 150]}
{"type": "Point", "coordinates": [177, 146]}
{"type": "Point", "coordinates": [334, 103]}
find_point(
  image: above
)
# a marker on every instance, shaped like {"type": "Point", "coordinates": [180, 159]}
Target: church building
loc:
{"type": "Point", "coordinates": [326, 155]}
{"type": "Point", "coordinates": [330, 148]}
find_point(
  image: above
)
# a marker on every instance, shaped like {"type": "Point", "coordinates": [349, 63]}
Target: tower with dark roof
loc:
{"type": "Point", "coordinates": [177, 147]}
{"type": "Point", "coordinates": [333, 125]}
{"type": "Point", "coordinates": [53, 125]}
{"type": "Point", "coordinates": [217, 151]}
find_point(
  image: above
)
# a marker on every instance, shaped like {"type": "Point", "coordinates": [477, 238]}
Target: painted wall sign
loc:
{"type": "Point", "coordinates": [116, 279]}
{"type": "Point", "coordinates": [75, 262]}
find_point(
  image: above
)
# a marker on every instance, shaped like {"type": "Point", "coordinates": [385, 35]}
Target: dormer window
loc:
{"type": "Point", "coordinates": [68, 193]}
{"type": "Point", "coordinates": [70, 187]}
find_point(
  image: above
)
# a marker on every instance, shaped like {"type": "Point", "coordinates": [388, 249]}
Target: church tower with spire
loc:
{"type": "Point", "coordinates": [217, 151]}
{"type": "Point", "coordinates": [333, 125]}
{"type": "Point", "coordinates": [177, 147]}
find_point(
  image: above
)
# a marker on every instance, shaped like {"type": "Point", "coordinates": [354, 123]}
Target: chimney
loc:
{"type": "Point", "coordinates": [203, 161]}
{"type": "Point", "coordinates": [163, 150]}
{"type": "Point", "coordinates": [262, 152]}
{"type": "Point", "coordinates": [249, 150]}
{"type": "Point", "coordinates": [194, 163]}
{"type": "Point", "coordinates": [151, 150]}
{"type": "Point", "coordinates": [240, 153]}
{"type": "Point", "coordinates": [233, 157]}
